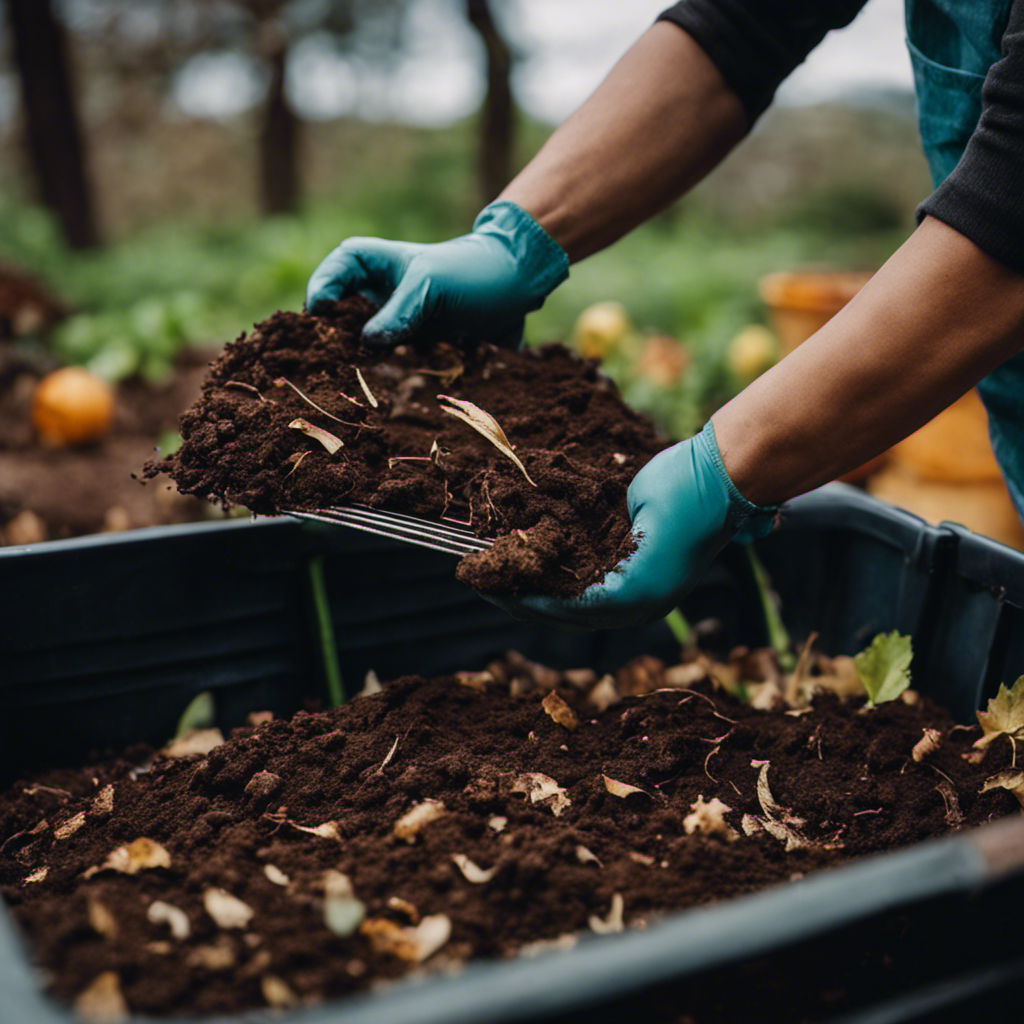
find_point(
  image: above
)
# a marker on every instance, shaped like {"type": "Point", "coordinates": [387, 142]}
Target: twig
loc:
{"type": "Point", "coordinates": [319, 408]}
{"type": "Point", "coordinates": [244, 387]}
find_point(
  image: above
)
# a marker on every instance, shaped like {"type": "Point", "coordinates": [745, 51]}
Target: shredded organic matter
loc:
{"type": "Point", "coordinates": [544, 470]}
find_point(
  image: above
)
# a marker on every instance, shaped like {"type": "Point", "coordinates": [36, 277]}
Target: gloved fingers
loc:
{"type": "Point", "coordinates": [403, 312]}
{"type": "Point", "coordinates": [370, 265]}
{"type": "Point", "coordinates": [520, 609]}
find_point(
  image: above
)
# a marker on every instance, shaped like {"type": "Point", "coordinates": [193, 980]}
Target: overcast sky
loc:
{"type": "Point", "coordinates": [567, 47]}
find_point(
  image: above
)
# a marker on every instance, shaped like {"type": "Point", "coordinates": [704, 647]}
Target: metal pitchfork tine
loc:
{"type": "Point", "coordinates": [439, 536]}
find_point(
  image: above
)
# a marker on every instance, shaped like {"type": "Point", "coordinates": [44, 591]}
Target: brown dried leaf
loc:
{"type": "Point", "coordinates": [38, 875]}
{"type": "Point", "coordinates": [927, 744]}
{"type": "Point", "coordinates": [497, 822]}
{"type": "Point", "coordinates": [103, 802]}
{"type": "Point", "coordinates": [416, 818]}
{"type": "Point", "coordinates": [709, 817]}
{"type": "Point", "coordinates": [560, 712]}
{"type": "Point", "coordinates": [585, 856]}
{"type": "Point", "coordinates": [328, 830]}
{"type": "Point", "coordinates": [101, 920]}
{"type": "Point", "coordinates": [473, 872]}
{"type": "Point", "coordinates": [366, 388]}
{"type": "Point", "coordinates": [102, 1002]}
{"type": "Point", "coordinates": [1009, 780]}
{"type": "Point", "coordinates": [605, 693]}
{"type": "Point", "coordinates": [613, 922]}
{"type": "Point", "coordinates": [140, 855]}
{"type": "Point", "coordinates": [69, 827]}
{"type": "Point", "coordinates": [325, 437]}
{"type": "Point", "coordinates": [194, 741]}
{"type": "Point", "coordinates": [226, 910]}
{"type": "Point", "coordinates": [1004, 716]}
{"type": "Point", "coordinates": [622, 789]}
{"type": "Point", "coordinates": [681, 677]}
{"type": "Point", "coordinates": [474, 680]}
{"type": "Point", "coordinates": [174, 917]}
{"type": "Point", "coordinates": [404, 907]}
{"type": "Point", "coordinates": [483, 423]}
{"type": "Point", "coordinates": [277, 993]}
{"type": "Point", "coordinates": [542, 789]}
{"type": "Point", "coordinates": [412, 943]}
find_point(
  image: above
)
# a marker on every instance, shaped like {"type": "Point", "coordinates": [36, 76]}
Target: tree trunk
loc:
{"type": "Point", "coordinates": [279, 133]}
{"type": "Point", "coordinates": [497, 119]}
{"type": "Point", "coordinates": [53, 133]}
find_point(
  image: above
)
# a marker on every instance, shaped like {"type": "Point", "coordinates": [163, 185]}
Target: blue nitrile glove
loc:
{"type": "Point", "coordinates": [684, 509]}
{"type": "Point", "coordinates": [476, 287]}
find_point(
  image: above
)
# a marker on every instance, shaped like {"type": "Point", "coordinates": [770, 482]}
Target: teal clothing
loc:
{"type": "Point", "coordinates": [952, 45]}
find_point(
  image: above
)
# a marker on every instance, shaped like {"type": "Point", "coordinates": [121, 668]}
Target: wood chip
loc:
{"type": "Point", "coordinates": [69, 827]}
{"type": "Point", "coordinates": [103, 802]}
{"type": "Point", "coordinates": [497, 822]}
{"type": "Point", "coordinates": [927, 744]}
{"type": "Point", "coordinates": [613, 922]}
{"type": "Point", "coordinates": [141, 855]}
{"type": "Point", "coordinates": [277, 993]}
{"type": "Point", "coordinates": [101, 920]}
{"type": "Point", "coordinates": [275, 874]}
{"type": "Point", "coordinates": [366, 388]}
{"type": "Point", "coordinates": [102, 1002]}
{"type": "Point", "coordinates": [708, 817]}
{"type": "Point", "coordinates": [473, 872]}
{"type": "Point", "coordinates": [641, 858]}
{"type": "Point", "coordinates": [411, 943]}
{"type": "Point", "coordinates": [343, 913]}
{"type": "Point", "coordinates": [622, 789]}
{"type": "Point", "coordinates": [226, 910]}
{"type": "Point", "coordinates": [483, 423]}
{"type": "Point", "coordinates": [542, 789]}
{"type": "Point", "coordinates": [195, 741]}
{"type": "Point", "coordinates": [325, 437]}
{"type": "Point", "coordinates": [560, 712]}
{"type": "Point", "coordinates": [409, 824]}
{"type": "Point", "coordinates": [174, 917]}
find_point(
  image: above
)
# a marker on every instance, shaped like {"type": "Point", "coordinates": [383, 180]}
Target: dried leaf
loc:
{"type": "Point", "coordinates": [622, 789]}
{"type": "Point", "coordinates": [412, 943]}
{"type": "Point", "coordinates": [840, 677]}
{"type": "Point", "coordinates": [483, 423]}
{"type": "Point", "coordinates": [387, 757]}
{"type": "Point", "coordinates": [195, 741]}
{"type": "Point", "coordinates": [69, 827]}
{"type": "Point", "coordinates": [473, 872]}
{"type": "Point", "coordinates": [954, 816]}
{"type": "Point", "coordinates": [884, 666]}
{"type": "Point", "coordinates": [140, 855]}
{"type": "Point", "coordinates": [1005, 714]}
{"type": "Point", "coordinates": [416, 818]}
{"type": "Point", "coordinates": [174, 917]}
{"type": "Point", "coordinates": [101, 920]}
{"type": "Point", "coordinates": [542, 789]}
{"type": "Point", "coordinates": [927, 744]}
{"type": "Point", "coordinates": [778, 821]}
{"type": "Point", "coordinates": [709, 817]}
{"type": "Point", "coordinates": [277, 993]}
{"type": "Point", "coordinates": [584, 856]}
{"type": "Point", "coordinates": [38, 875]}
{"type": "Point", "coordinates": [497, 822]}
{"type": "Point", "coordinates": [371, 685]}
{"type": "Point", "coordinates": [605, 693]}
{"type": "Point", "coordinates": [102, 1002]}
{"type": "Point", "coordinates": [325, 437]}
{"type": "Point", "coordinates": [258, 718]}
{"type": "Point", "coordinates": [226, 910]}
{"type": "Point", "coordinates": [366, 388]}
{"type": "Point", "coordinates": [474, 680]}
{"type": "Point", "coordinates": [613, 922]}
{"type": "Point", "coordinates": [328, 830]}
{"type": "Point", "coordinates": [681, 677]}
{"type": "Point", "coordinates": [404, 907]}
{"type": "Point", "coordinates": [1009, 780]}
{"type": "Point", "coordinates": [560, 712]}
{"type": "Point", "coordinates": [275, 874]}
{"type": "Point", "coordinates": [103, 802]}
{"type": "Point", "coordinates": [219, 956]}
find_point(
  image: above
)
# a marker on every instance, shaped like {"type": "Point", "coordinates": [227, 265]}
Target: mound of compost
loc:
{"type": "Point", "coordinates": [49, 492]}
{"type": "Point", "coordinates": [559, 516]}
{"type": "Point", "coordinates": [484, 814]}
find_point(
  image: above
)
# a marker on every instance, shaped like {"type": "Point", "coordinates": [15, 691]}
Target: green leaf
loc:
{"type": "Point", "coordinates": [884, 666]}
{"type": "Point", "coordinates": [201, 713]}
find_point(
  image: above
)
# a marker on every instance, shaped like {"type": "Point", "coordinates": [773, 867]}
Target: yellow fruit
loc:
{"type": "Point", "coordinates": [752, 352]}
{"type": "Point", "coordinates": [599, 328]}
{"type": "Point", "coordinates": [72, 406]}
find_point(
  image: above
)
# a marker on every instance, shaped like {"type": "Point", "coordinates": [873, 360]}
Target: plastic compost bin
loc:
{"type": "Point", "coordinates": [104, 640]}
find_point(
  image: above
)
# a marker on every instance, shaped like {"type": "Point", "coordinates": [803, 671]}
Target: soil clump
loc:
{"type": "Point", "coordinates": [467, 816]}
{"type": "Point", "coordinates": [560, 520]}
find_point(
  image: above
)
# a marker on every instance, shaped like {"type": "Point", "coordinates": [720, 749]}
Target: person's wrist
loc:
{"type": "Point", "coordinates": [744, 514]}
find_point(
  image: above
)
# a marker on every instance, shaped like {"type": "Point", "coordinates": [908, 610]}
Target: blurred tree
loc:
{"type": "Point", "coordinates": [56, 149]}
{"type": "Point", "coordinates": [497, 118]}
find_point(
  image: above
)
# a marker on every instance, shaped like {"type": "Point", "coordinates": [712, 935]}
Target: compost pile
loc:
{"type": "Point", "coordinates": [485, 814]}
{"type": "Point", "coordinates": [299, 415]}
{"type": "Point", "coordinates": [50, 491]}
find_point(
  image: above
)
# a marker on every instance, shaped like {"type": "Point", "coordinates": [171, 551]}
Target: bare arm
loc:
{"type": "Point", "coordinates": [661, 120]}
{"type": "Point", "coordinates": [928, 326]}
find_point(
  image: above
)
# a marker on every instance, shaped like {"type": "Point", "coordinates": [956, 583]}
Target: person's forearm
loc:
{"type": "Point", "coordinates": [658, 123]}
{"type": "Point", "coordinates": [928, 326]}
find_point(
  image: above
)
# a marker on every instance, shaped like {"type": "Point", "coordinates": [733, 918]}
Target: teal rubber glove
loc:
{"type": "Point", "coordinates": [478, 287]}
{"type": "Point", "coordinates": [684, 510]}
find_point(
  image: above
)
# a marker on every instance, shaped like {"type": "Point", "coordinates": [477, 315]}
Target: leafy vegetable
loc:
{"type": "Point", "coordinates": [884, 666]}
{"type": "Point", "coordinates": [1005, 715]}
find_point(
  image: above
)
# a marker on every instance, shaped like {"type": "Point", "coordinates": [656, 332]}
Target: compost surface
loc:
{"type": "Point", "coordinates": [580, 445]}
{"type": "Point", "coordinates": [528, 831]}
{"type": "Point", "coordinates": [66, 492]}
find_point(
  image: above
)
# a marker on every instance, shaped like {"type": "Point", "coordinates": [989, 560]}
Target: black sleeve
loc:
{"type": "Point", "coordinates": [755, 44]}
{"type": "Point", "coordinates": [984, 196]}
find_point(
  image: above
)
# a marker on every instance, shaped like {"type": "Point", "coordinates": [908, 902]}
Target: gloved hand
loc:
{"type": "Point", "coordinates": [684, 510]}
{"type": "Point", "coordinates": [476, 287]}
